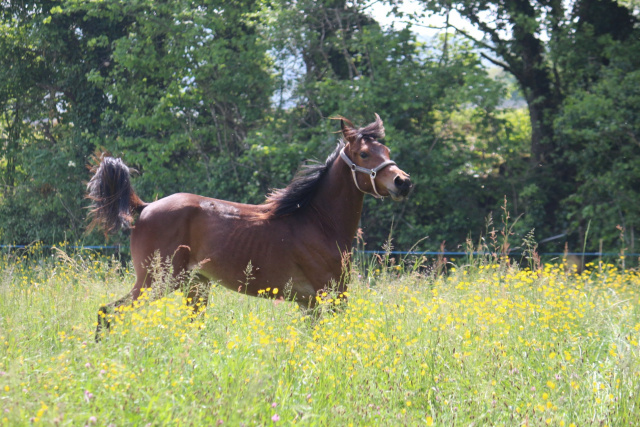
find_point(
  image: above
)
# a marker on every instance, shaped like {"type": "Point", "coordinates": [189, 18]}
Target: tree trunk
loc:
{"type": "Point", "coordinates": [11, 151]}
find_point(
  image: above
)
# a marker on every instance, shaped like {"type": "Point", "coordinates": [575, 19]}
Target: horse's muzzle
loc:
{"type": "Point", "coordinates": [403, 187]}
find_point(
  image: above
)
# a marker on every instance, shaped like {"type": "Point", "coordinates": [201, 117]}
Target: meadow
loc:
{"type": "Point", "coordinates": [488, 343]}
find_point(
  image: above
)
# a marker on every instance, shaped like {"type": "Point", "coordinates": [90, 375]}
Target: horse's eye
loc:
{"type": "Point", "coordinates": [363, 155]}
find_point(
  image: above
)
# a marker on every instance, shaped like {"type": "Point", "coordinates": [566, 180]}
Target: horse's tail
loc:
{"type": "Point", "coordinates": [113, 200]}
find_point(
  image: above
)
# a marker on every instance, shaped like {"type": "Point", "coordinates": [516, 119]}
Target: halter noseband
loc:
{"type": "Point", "coordinates": [371, 172]}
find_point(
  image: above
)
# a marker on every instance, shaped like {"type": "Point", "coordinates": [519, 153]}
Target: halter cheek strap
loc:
{"type": "Point", "coordinates": [371, 172]}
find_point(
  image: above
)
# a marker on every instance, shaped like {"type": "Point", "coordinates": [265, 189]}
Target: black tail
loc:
{"type": "Point", "coordinates": [113, 200]}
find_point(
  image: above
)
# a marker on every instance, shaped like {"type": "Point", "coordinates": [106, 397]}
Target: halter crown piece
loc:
{"type": "Point", "coordinates": [371, 172]}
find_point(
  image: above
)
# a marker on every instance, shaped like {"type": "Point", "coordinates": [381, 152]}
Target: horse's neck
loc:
{"type": "Point", "coordinates": [339, 204]}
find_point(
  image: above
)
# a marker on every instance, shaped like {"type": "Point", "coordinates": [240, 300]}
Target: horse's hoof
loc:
{"type": "Point", "coordinates": [102, 320]}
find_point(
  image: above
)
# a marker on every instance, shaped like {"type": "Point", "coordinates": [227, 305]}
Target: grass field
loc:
{"type": "Point", "coordinates": [486, 344]}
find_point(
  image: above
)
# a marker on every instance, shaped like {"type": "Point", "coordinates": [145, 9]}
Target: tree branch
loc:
{"type": "Point", "coordinates": [497, 62]}
{"type": "Point", "coordinates": [54, 89]}
{"type": "Point", "coordinates": [46, 129]}
{"type": "Point", "coordinates": [480, 43]}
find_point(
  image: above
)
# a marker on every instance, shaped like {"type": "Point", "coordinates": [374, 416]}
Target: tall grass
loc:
{"type": "Point", "coordinates": [488, 344]}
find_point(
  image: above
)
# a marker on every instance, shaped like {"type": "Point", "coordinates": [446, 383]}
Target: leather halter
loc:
{"type": "Point", "coordinates": [371, 172]}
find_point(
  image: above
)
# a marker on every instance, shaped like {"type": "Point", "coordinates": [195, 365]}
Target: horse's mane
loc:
{"type": "Point", "coordinates": [301, 190]}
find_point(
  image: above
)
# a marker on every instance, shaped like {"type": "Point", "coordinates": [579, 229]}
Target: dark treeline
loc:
{"type": "Point", "coordinates": [226, 98]}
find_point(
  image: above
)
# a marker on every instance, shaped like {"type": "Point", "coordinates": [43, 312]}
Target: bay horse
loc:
{"type": "Point", "coordinates": [297, 238]}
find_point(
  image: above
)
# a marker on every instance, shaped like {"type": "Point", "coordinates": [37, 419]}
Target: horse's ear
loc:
{"type": "Point", "coordinates": [378, 127]}
{"type": "Point", "coordinates": [346, 128]}
{"type": "Point", "coordinates": [347, 131]}
{"type": "Point", "coordinates": [379, 120]}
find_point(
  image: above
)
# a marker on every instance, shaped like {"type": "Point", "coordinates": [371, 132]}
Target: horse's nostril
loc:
{"type": "Point", "coordinates": [403, 185]}
{"type": "Point", "coordinates": [399, 182]}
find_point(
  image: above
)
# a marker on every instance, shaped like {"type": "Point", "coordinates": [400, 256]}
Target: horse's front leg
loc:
{"type": "Point", "coordinates": [325, 291]}
{"type": "Point", "coordinates": [198, 294]}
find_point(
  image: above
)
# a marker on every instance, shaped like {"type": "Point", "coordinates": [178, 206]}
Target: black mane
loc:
{"type": "Point", "coordinates": [301, 190]}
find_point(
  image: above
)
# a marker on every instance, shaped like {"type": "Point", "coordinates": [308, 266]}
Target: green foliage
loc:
{"type": "Point", "coordinates": [600, 132]}
{"type": "Point", "coordinates": [582, 35]}
{"type": "Point", "coordinates": [186, 85]}
{"type": "Point", "coordinates": [48, 111]}
{"type": "Point", "coordinates": [47, 202]}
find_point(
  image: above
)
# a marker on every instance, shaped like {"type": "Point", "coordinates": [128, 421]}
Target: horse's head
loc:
{"type": "Point", "coordinates": [373, 171]}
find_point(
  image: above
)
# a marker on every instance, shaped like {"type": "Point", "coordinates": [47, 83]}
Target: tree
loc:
{"type": "Point", "coordinates": [48, 107]}
{"type": "Point", "coordinates": [514, 38]}
{"type": "Point", "coordinates": [599, 130]}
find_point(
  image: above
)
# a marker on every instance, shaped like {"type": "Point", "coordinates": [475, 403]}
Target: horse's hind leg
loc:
{"type": "Point", "coordinates": [104, 316]}
{"type": "Point", "coordinates": [104, 310]}
{"type": "Point", "coordinates": [145, 278]}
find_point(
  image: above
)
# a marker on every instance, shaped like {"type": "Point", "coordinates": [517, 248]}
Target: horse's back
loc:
{"type": "Point", "coordinates": [201, 225]}
{"type": "Point", "coordinates": [179, 220]}
{"type": "Point", "coordinates": [186, 203]}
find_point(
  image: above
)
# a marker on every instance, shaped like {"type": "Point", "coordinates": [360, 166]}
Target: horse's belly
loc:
{"type": "Point", "coordinates": [251, 277]}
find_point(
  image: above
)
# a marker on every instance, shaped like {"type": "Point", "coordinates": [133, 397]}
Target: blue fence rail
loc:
{"type": "Point", "coordinates": [417, 253]}
{"type": "Point", "coordinates": [65, 246]}
{"type": "Point", "coordinates": [450, 253]}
